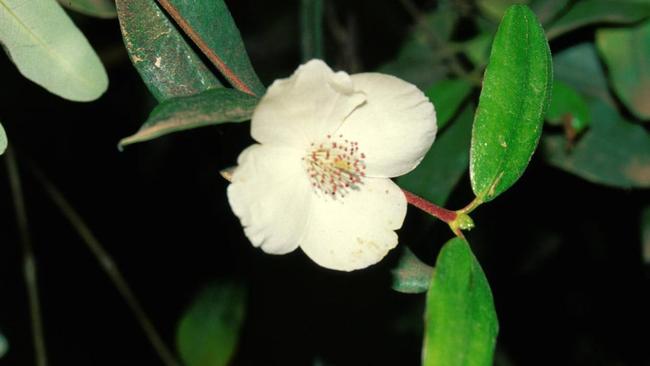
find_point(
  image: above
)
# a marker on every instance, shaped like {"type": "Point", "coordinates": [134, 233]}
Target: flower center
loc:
{"type": "Point", "coordinates": [335, 166]}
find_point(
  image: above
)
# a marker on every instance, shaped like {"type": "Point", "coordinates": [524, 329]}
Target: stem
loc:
{"type": "Point", "coordinates": [29, 263]}
{"type": "Point", "coordinates": [109, 266]}
{"type": "Point", "coordinates": [443, 214]}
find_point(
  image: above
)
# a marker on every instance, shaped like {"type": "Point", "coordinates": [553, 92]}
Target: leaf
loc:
{"type": "Point", "coordinates": [477, 49]}
{"type": "Point", "coordinates": [311, 33]}
{"type": "Point", "coordinates": [580, 68]}
{"type": "Point", "coordinates": [645, 234]}
{"type": "Point", "coordinates": [165, 62]}
{"type": "Point", "coordinates": [599, 11]}
{"type": "Point", "coordinates": [612, 151]}
{"type": "Point", "coordinates": [495, 9]}
{"type": "Point", "coordinates": [461, 323]}
{"type": "Point", "coordinates": [49, 50]}
{"type": "Point", "coordinates": [4, 345]}
{"type": "Point", "coordinates": [447, 96]}
{"type": "Point", "coordinates": [627, 54]}
{"type": "Point", "coordinates": [411, 276]}
{"type": "Point", "coordinates": [209, 331]}
{"type": "Point", "coordinates": [419, 60]}
{"type": "Point", "coordinates": [211, 27]}
{"type": "Point", "coordinates": [567, 103]}
{"type": "Point", "coordinates": [515, 96]}
{"type": "Point", "coordinates": [96, 8]}
{"type": "Point", "coordinates": [444, 164]}
{"type": "Point", "coordinates": [3, 140]}
{"type": "Point", "coordinates": [546, 10]}
{"type": "Point", "coordinates": [211, 107]}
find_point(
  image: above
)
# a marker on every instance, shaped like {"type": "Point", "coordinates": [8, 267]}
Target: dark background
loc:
{"type": "Point", "coordinates": [563, 256]}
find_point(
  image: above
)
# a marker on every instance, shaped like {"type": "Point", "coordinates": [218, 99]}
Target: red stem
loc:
{"type": "Point", "coordinates": [443, 214]}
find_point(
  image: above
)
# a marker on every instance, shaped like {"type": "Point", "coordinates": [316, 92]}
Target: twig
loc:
{"type": "Point", "coordinates": [29, 263]}
{"type": "Point", "coordinates": [109, 266]}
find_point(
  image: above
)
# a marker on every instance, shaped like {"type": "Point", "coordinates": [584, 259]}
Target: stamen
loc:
{"type": "Point", "coordinates": [335, 167]}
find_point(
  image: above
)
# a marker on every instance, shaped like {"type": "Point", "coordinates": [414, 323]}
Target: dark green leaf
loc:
{"type": "Point", "coordinates": [209, 331]}
{"type": "Point", "coordinates": [645, 234]}
{"type": "Point", "coordinates": [53, 53]}
{"type": "Point", "coordinates": [579, 67]}
{"type": "Point", "coordinates": [411, 276]}
{"type": "Point", "coordinates": [612, 151]}
{"type": "Point", "coordinates": [599, 11]}
{"type": "Point", "coordinates": [546, 10]}
{"type": "Point", "coordinates": [96, 8]}
{"type": "Point", "coordinates": [3, 140]}
{"type": "Point", "coordinates": [627, 54]}
{"type": "Point", "coordinates": [495, 9]}
{"type": "Point", "coordinates": [478, 49]}
{"type": "Point", "coordinates": [211, 107]}
{"type": "Point", "coordinates": [461, 323]}
{"type": "Point", "coordinates": [311, 33]}
{"type": "Point", "coordinates": [568, 106]}
{"type": "Point", "coordinates": [212, 28]}
{"type": "Point", "coordinates": [420, 59]}
{"type": "Point", "coordinates": [166, 63]}
{"type": "Point", "coordinates": [515, 96]}
{"type": "Point", "coordinates": [447, 96]}
{"type": "Point", "coordinates": [444, 164]}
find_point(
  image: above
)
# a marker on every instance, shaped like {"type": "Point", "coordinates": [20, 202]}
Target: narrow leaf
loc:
{"type": "Point", "coordinates": [209, 331]}
{"type": "Point", "coordinates": [211, 107]}
{"type": "Point", "coordinates": [461, 323]}
{"type": "Point", "coordinates": [96, 8]}
{"type": "Point", "coordinates": [627, 54]}
{"type": "Point", "coordinates": [3, 140]}
{"type": "Point", "coordinates": [612, 151]}
{"type": "Point", "coordinates": [568, 106]}
{"type": "Point", "coordinates": [580, 68]}
{"type": "Point", "coordinates": [515, 96]}
{"type": "Point", "coordinates": [212, 28]}
{"type": "Point", "coordinates": [49, 49]}
{"type": "Point", "coordinates": [599, 11]}
{"type": "Point", "coordinates": [166, 63]}
{"type": "Point", "coordinates": [411, 276]}
{"type": "Point", "coordinates": [444, 164]}
{"type": "Point", "coordinates": [447, 96]}
{"type": "Point", "coordinates": [311, 33]}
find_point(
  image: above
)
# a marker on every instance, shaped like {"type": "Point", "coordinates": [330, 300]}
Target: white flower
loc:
{"type": "Point", "coordinates": [319, 179]}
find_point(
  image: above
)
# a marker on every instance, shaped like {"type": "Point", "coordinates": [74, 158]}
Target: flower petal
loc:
{"type": "Point", "coordinates": [270, 195]}
{"type": "Point", "coordinates": [394, 128]}
{"type": "Point", "coordinates": [357, 230]}
{"type": "Point", "coordinates": [305, 107]}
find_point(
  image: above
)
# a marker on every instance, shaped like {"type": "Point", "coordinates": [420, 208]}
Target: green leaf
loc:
{"type": "Point", "coordinates": [96, 8]}
{"type": "Point", "coordinates": [3, 140]}
{"type": "Point", "coordinates": [4, 345]}
{"type": "Point", "coordinates": [444, 164]}
{"type": "Point", "coordinates": [411, 276]}
{"type": "Point", "coordinates": [166, 63]}
{"type": "Point", "coordinates": [447, 96]}
{"type": "Point", "coordinates": [567, 103]}
{"type": "Point", "coordinates": [580, 68]}
{"type": "Point", "coordinates": [645, 234]}
{"type": "Point", "coordinates": [461, 323]}
{"type": "Point", "coordinates": [627, 54]}
{"type": "Point", "coordinates": [49, 49]}
{"type": "Point", "coordinates": [546, 10]}
{"type": "Point", "coordinates": [209, 331]}
{"type": "Point", "coordinates": [420, 59]}
{"type": "Point", "coordinates": [599, 11]}
{"type": "Point", "coordinates": [495, 9]}
{"type": "Point", "coordinates": [612, 151]}
{"type": "Point", "coordinates": [311, 32]}
{"type": "Point", "coordinates": [477, 49]}
{"type": "Point", "coordinates": [515, 96]}
{"type": "Point", "coordinates": [211, 107]}
{"type": "Point", "coordinates": [212, 28]}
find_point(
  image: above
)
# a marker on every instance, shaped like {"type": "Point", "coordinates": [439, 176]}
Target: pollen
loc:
{"type": "Point", "coordinates": [335, 167]}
